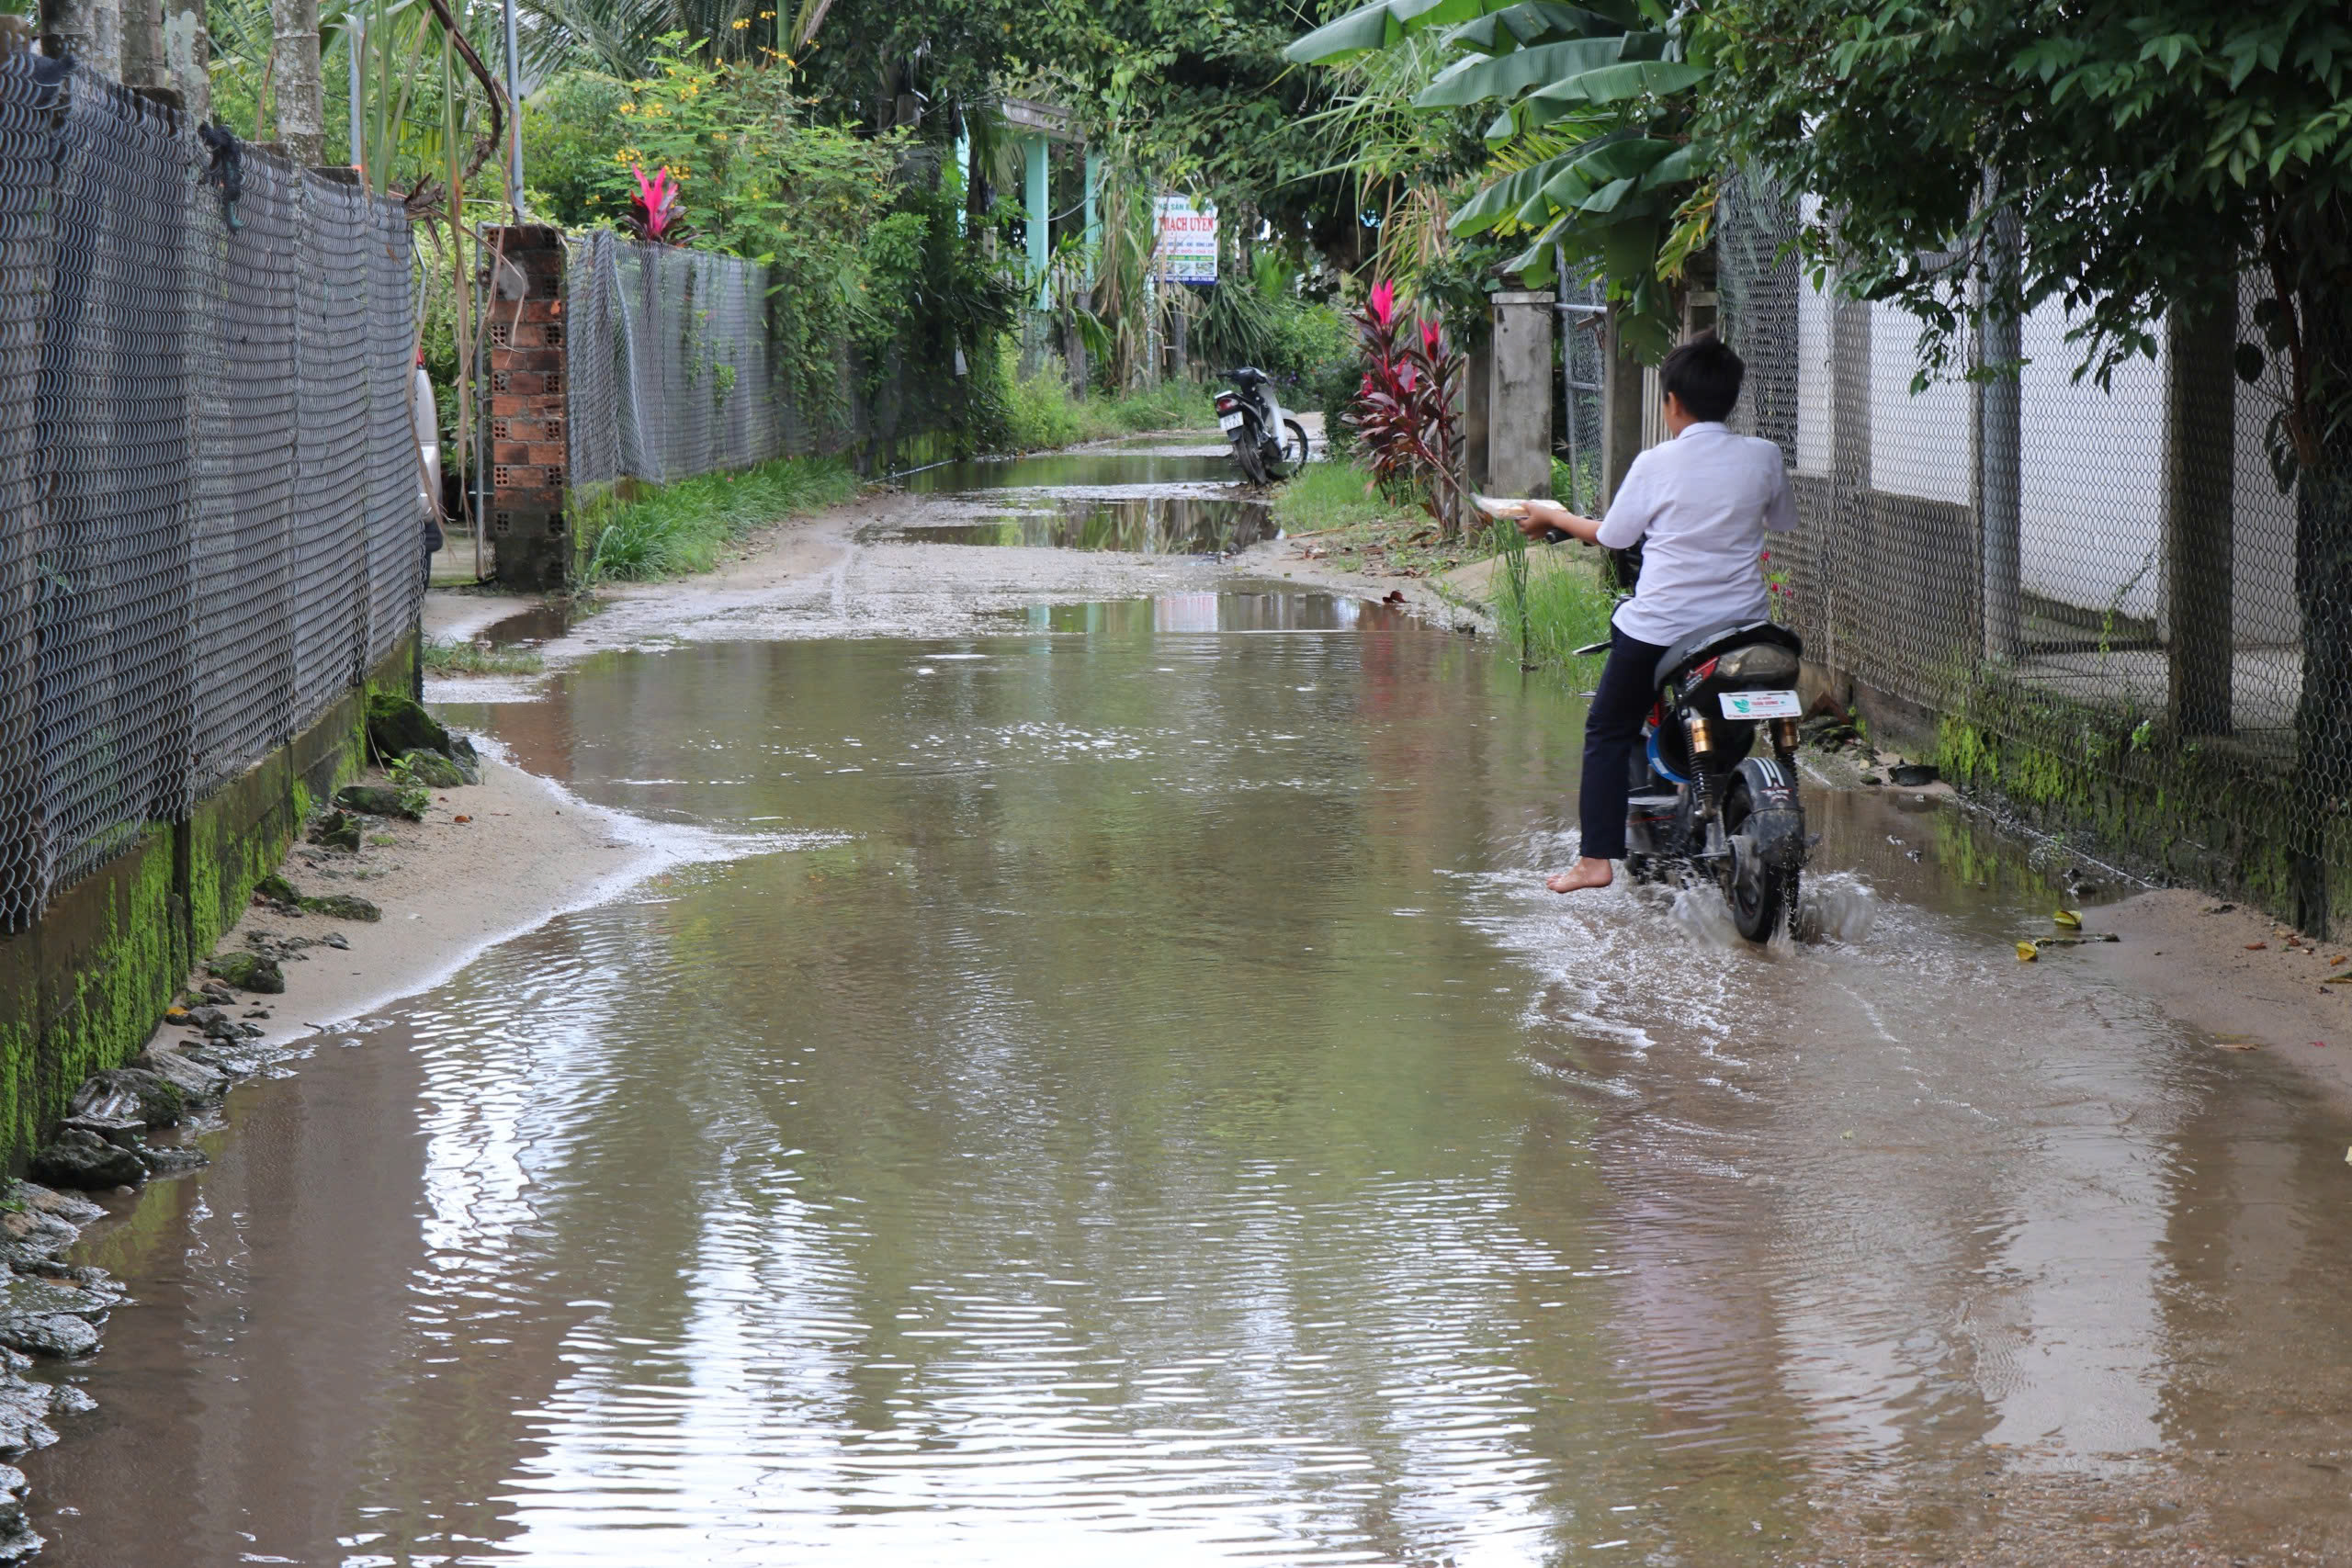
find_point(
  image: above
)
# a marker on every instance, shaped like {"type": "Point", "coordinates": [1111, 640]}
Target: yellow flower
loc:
{"type": "Point", "coordinates": [628, 108]}
{"type": "Point", "coordinates": [742, 22]}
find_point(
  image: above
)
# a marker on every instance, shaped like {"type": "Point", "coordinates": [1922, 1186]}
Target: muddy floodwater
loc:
{"type": "Point", "coordinates": [1117, 1095]}
{"type": "Point", "coordinates": [1149, 500]}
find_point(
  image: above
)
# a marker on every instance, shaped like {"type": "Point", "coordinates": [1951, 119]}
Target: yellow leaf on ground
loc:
{"type": "Point", "coordinates": [2028, 951]}
{"type": "Point", "coordinates": [2068, 917]}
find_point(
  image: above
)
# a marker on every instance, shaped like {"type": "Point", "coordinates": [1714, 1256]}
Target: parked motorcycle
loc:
{"type": "Point", "coordinates": [1267, 443]}
{"type": "Point", "coordinates": [1709, 803]}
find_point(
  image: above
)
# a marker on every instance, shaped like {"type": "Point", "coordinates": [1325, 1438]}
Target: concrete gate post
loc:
{"type": "Point", "coordinates": [1518, 396]}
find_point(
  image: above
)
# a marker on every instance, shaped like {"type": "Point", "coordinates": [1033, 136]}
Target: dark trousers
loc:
{"type": "Point", "coordinates": [1612, 737]}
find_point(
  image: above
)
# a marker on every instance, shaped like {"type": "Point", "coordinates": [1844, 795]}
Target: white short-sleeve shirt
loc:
{"type": "Point", "coordinates": [1700, 504]}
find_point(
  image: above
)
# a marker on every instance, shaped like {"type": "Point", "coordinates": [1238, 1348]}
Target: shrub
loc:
{"type": "Point", "coordinates": [1406, 413]}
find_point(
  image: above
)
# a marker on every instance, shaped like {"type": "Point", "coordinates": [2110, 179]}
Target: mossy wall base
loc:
{"type": "Point", "coordinates": [85, 985]}
{"type": "Point", "coordinates": [2185, 812]}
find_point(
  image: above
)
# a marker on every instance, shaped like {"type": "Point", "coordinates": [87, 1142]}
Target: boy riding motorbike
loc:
{"type": "Point", "coordinates": [1699, 506]}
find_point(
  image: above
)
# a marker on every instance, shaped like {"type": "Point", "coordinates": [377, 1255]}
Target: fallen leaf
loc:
{"type": "Point", "coordinates": [461, 818]}
{"type": "Point", "coordinates": [2319, 1044]}
{"type": "Point", "coordinates": [2239, 1044]}
{"type": "Point", "coordinates": [2256, 946]}
{"type": "Point", "coordinates": [2068, 917]}
{"type": "Point", "coordinates": [2342, 980]}
{"type": "Point", "coordinates": [2028, 951]}
{"type": "Point", "coordinates": [2335, 961]}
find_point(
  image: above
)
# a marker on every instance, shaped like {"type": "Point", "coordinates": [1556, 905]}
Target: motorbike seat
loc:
{"type": "Point", "coordinates": [1717, 639]}
{"type": "Point", "coordinates": [1247, 378]}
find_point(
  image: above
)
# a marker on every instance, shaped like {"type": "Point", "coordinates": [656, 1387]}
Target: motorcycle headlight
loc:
{"type": "Point", "coordinates": [1758, 661]}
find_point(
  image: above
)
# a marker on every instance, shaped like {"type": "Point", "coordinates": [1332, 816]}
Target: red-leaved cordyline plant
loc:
{"type": "Point", "coordinates": [1405, 411]}
{"type": "Point", "coordinates": [656, 211]}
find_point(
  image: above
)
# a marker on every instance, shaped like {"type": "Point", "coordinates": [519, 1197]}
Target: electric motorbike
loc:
{"type": "Point", "coordinates": [1267, 443]}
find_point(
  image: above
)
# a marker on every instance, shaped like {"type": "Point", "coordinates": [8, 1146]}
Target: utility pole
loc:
{"type": "Point", "coordinates": [514, 117]}
{"type": "Point", "coordinates": [144, 69]}
{"type": "Point", "coordinates": [89, 30]}
{"type": "Point", "coordinates": [302, 101]}
{"type": "Point", "coordinates": [188, 56]}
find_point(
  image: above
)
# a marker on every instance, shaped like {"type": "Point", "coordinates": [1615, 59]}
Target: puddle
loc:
{"type": "Point", "coordinates": [1153, 500]}
{"type": "Point", "coordinates": [1242, 608]}
{"type": "Point", "coordinates": [529, 628]}
{"type": "Point", "coordinates": [1055, 470]}
{"type": "Point", "coordinates": [1158, 524]}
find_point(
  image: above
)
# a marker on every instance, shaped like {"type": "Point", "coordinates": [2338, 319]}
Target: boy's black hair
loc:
{"type": "Point", "coordinates": [1705, 374]}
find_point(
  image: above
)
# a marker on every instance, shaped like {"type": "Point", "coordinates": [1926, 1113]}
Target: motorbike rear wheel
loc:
{"type": "Point", "coordinates": [1247, 458]}
{"type": "Point", "coordinates": [1761, 897]}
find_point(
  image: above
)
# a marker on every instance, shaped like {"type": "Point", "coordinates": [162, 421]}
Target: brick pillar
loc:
{"type": "Point", "coordinates": [526, 410]}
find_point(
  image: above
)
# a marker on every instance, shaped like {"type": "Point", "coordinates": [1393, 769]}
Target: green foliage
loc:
{"type": "Point", "coordinates": [683, 527]}
{"type": "Point", "coordinates": [1588, 115]}
{"type": "Point", "coordinates": [2143, 149]}
{"type": "Point", "coordinates": [568, 146]}
{"type": "Point", "coordinates": [1039, 411]}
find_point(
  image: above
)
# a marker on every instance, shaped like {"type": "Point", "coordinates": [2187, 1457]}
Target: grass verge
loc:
{"type": "Point", "coordinates": [1342, 518]}
{"type": "Point", "coordinates": [684, 528]}
{"type": "Point", "coordinates": [478, 659]}
{"type": "Point", "coordinates": [1549, 602]}
{"type": "Point", "coordinates": [1042, 413]}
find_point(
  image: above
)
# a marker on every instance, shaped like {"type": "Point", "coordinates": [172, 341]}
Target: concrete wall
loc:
{"type": "Point", "coordinates": [86, 985]}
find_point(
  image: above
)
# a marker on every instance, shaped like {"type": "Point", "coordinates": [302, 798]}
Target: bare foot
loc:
{"type": "Point", "coordinates": [1586, 872]}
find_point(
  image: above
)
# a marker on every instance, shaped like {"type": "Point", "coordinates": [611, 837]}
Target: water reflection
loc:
{"type": "Point", "coordinates": [1142, 525]}
{"type": "Point", "coordinates": [1093, 469]}
{"type": "Point", "coordinates": [1169, 1124]}
{"type": "Point", "coordinates": [1155, 501]}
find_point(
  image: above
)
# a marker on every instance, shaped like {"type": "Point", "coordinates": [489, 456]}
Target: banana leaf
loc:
{"type": "Point", "coordinates": [1534, 22]}
{"type": "Point", "coordinates": [1631, 79]}
{"type": "Point", "coordinates": [1377, 25]}
{"type": "Point", "coordinates": [1481, 77]}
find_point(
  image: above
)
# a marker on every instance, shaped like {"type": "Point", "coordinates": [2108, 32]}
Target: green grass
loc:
{"type": "Point", "coordinates": [1336, 495]}
{"type": "Point", "coordinates": [1041, 413]}
{"type": "Point", "coordinates": [478, 659]}
{"type": "Point", "coordinates": [686, 527]}
{"type": "Point", "coordinates": [1334, 509]}
{"type": "Point", "coordinates": [1554, 605]}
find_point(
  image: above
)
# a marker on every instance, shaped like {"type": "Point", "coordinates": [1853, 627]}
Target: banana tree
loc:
{"type": "Point", "coordinates": [1586, 112]}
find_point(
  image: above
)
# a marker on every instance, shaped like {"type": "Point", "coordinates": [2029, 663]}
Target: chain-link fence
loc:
{"type": "Point", "coordinates": [1583, 336]}
{"type": "Point", "coordinates": [2092, 592]}
{"type": "Point", "coordinates": [210, 511]}
{"type": "Point", "coordinates": [676, 368]}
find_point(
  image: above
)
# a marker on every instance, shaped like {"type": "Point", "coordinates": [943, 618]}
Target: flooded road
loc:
{"type": "Point", "coordinates": [1147, 499]}
{"type": "Point", "coordinates": [1128, 1101]}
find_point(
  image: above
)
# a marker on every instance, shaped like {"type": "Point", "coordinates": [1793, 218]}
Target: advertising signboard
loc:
{"type": "Point", "coordinates": [1187, 252]}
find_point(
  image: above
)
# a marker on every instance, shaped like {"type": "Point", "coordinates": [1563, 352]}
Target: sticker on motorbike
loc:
{"type": "Point", "coordinates": [1762, 705]}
